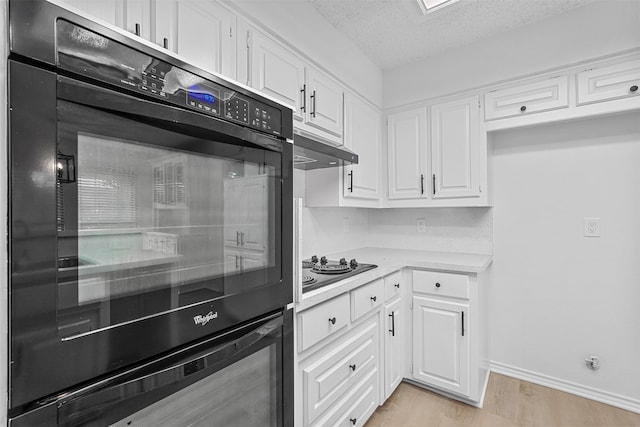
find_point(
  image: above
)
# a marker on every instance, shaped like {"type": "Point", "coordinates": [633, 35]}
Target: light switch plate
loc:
{"type": "Point", "coordinates": [592, 227]}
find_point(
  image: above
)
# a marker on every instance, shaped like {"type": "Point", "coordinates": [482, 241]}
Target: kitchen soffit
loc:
{"type": "Point", "coordinates": [397, 32]}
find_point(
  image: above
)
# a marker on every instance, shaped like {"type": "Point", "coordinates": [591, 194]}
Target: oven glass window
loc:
{"type": "Point", "coordinates": [150, 220]}
{"type": "Point", "coordinates": [244, 394]}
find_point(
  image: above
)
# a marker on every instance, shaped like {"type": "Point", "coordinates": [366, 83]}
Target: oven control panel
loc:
{"type": "Point", "coordinates": [86, 52]}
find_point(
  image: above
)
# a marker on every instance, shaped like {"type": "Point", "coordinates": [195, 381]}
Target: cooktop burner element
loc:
{"type": "Point", "coordinates": [331, 268]}
{"type": "Point", "coordinates": [307, 280]}
{"type": "Point", "coordinates": [321, 272]}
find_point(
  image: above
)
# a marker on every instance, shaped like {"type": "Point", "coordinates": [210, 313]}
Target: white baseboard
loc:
{"type": "Point", "coordinates": [602, 396]}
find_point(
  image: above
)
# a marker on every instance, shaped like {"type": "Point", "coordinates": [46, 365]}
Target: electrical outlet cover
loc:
{"type": "Point", "coordinates": [592, 227]}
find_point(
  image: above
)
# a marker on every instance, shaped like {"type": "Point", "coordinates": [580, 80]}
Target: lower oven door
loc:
{"type": "Point", "coordinates": [242, 378]}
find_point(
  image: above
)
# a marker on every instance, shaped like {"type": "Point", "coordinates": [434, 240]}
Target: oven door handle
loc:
{"type": "Point", "coordinates": [119, 397]}
{"type": "Point", "coordinates": [157, 113]}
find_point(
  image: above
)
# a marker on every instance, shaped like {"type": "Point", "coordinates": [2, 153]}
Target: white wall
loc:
{"type": "Point", "coordinates": [297, 23]}
{"type": "Point", "coordinates": [323, 231]}
{"type": "Point", "coordinates": [447, 229]}
{"type": "Point", "coordinates": [557, 297]}
{"type": "Point", "coordinates": [596, 29]}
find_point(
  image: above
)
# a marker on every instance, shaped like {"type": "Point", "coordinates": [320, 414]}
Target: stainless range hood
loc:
{"type": "Point", "coordinates": [310, 154]}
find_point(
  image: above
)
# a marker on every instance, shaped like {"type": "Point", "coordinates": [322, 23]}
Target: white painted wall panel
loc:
{"type": "Point", "coordinates": [556, 296]}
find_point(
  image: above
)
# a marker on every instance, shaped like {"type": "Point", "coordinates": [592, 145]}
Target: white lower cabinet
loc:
{"type": "Point", "coordinates": [449, 334]}
{"type": "Point", "coordinates": [331, 375]}
{"type": "Point", "coordinates": [440, 347]}
{"type": "Point", "coordinates": [340, 381]}
{"type": "Point", "coordinates": [394, 346]}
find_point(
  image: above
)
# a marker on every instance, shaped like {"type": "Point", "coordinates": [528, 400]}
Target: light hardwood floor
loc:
{"type": "Point", "coordinates": [509, 402]}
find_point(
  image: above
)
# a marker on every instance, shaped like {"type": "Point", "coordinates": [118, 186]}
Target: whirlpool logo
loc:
{"type": "Point", "coordinates": [203, 320]}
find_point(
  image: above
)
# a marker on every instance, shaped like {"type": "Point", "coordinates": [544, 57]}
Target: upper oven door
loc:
{"type": "Point", "coordinates": [136, 227]}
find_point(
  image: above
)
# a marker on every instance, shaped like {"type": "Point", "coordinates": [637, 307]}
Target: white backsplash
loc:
{"type": "Point", "coordinates": [323, 230]}
{"type": "Point", "coordinates": [468, 230]}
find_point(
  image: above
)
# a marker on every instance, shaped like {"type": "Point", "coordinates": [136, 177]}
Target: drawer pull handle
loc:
{"type": "Point", "coordinates": [353, 367]}
{"type": "Point", "coordinates": [353, 421]}
{"type": "Point", "coordinates": [373, 298]}
{"type": "Point", "coordinates": [332, 320]}
{"type": "Point", "coordinates": [523, 108]}
{"type": "Point", "coordinates": [437, 285]}
{"type": "Point", "coordinates": [397, 285]}
{"type": "Point", "coordinates": [633, 88]}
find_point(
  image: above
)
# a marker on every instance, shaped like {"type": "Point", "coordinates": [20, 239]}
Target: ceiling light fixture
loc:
{"type": "Point", "coordinates": [429, 6]}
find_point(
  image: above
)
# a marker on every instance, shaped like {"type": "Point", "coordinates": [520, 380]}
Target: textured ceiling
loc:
{"type": "Point", "coordinates": [395, 32]}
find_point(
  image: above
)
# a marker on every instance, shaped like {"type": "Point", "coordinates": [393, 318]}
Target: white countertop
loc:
{"type": "Point", "coordinates": [391, 260]}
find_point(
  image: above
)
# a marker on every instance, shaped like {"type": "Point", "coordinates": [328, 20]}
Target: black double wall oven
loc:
{"type": "Point", "coordinates": [150, 234]}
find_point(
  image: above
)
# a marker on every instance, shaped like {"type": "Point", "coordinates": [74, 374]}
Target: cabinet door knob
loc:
{"type": "Point", "coordinates": [353, 367]}
{"type": "Point", "coordinates": [437, 285]}
{"type": "Point", "coordinates": [353, 421]}
{"type": "Point", "coordinates": [332, 320]}
{"type": "Point", "coordinates": [633, 88]}
{"type": "Point", "coordinates": [523, 108]}
{"type": "Point", "coordinates": [374, 298]}
{"type": "Point", "coordinates": [397, 285]}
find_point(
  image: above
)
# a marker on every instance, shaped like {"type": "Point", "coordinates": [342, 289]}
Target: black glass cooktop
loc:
{"type": "Point", "coordinates": [317, 273]}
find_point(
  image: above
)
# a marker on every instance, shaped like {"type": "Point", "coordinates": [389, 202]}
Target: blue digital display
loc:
{"type": "Point", "coordinates": [199, 94]}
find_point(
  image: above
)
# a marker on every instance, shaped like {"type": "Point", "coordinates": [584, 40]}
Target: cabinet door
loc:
{"type": "Point", "coordinates": [137, 18]}
{"type": "Point", "coordinates": [254, 229]}
{"type": "Point", "coordinates": [325, 99]}
{"type": "Point", "coordinates": [278, 72]}
{"type": "Point", "coordinates": [407, 140]}
{"type": "Point", "coordinates": [110, 11]}
{"type": "Point", "coordinates": [440, 344]}
{"type": "Point", "coordinates": [545, 95]}
{"type": "Point", "coordinates": [393, 346]}
{"type": "Point", "coordinates": [131, 15]}
{"type": "Point", "coordinates": [455, 148]}
{"type": "Point", "coordinates": [202, 32]}
{"type": "Point", "coordinates": [233, 205]}
{"type": "Point", "coordinates": [610, 82]}
{"type": "Point", "coordinates": [245, 212]}
{"type": "Point", "coordinates": [362, 136]}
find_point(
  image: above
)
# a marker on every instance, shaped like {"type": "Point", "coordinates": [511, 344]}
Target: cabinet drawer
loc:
{"type": "Point", "coordinates": [321, 321]}
{"type": "Point", "coordinates": [339, 371]}
{"type": "Point", "coordinates": [611, 82]}
{"type": "Point", "coordinates": [355, 408]}
{"type": "Point", "coordinates": [392, 285]}
{"type": "Point", "coordinates": [366, 298]}
{"type": "Point", "coordinates": [442, 284]}
{"type": "Point", "coordinates": [530, 98]}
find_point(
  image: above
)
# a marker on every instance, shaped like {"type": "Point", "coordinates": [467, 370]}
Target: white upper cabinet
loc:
{"type": "Point", "coordinates": [278, 72]}
{"type": "Point", "coordinates": [110, 11]}
{"type": "Point", "coordinates": [362, 136]}
{"type": "Point", "coordinates": [455, 148]}
{"type": "Point", "coordinates": [408, 154]}
{"type": "Point", "coordinates": [609, 82]}
{"type": "Point", "coordinates": [317, 98]}
{"type": "Point", "coordinates": [130, 15]}
{"type": "Point", "coordinates": [545, 95]}
{"type": "Point", "coordinates": [324, 104]}
{"type": "Point", "coordinates": [203, 32]}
